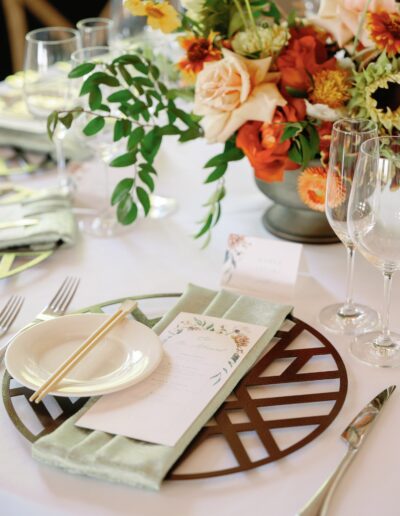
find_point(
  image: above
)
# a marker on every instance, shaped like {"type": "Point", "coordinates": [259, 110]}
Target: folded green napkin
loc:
{"type": "Point", "coordinates": [53, 222]}
{"type": "Point", "coordinates": [128, 461]}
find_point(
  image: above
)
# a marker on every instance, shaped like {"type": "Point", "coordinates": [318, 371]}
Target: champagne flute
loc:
{"type": "Point", "coordinates": [374, 224]}
{"type": "Point", "coordinates": [95, 32]}
{"type": "Point", "coordinates": [48, 54]}
{"type": "Point", "coordinates": [347, 135]}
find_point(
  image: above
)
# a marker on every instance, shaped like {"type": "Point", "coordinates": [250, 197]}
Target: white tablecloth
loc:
{"type": "Point", "coordinates": [161, 256]}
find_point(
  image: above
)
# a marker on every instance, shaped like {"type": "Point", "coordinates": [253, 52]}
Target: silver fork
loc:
{"type": "Point", "coordinates": [9, 313]}
{"type": "Point", "coordinates": [61, 300]}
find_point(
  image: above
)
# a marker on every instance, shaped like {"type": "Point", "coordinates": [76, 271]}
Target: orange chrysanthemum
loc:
{"type": "Point", "coordinates": [331, 87]}
{"type": "Point", "coordinates": [384, 28]}
{"type": "Point", "coordinates": [198, 52]}
{"type": "Point", "coordinates": [311, 187]}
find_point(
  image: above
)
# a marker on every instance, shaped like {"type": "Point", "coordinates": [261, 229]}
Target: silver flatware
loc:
{"type": "Point", "coordinates": [23, 223]}
{"type": "Point", "coordinates": [354, 436]}
{"type": "Point", "coordinates": [9, 313]}
{"type": "Point", "coordinates": [61, 300]}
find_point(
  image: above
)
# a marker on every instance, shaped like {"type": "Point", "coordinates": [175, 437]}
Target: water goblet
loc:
{"type": "Point", "coordinates": [95, 32]}
{"type": "Point", "coordinates": [48, 54]}
{"type": "Point", "coordinates": [348, 318]}
{"type": "Point", "coordinates": [374, 225]}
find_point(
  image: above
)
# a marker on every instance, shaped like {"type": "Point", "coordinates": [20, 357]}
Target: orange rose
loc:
{"type": "Point", "coordinates": [303, 57]}
{"type": "Point", "coordinates": [263, 147]}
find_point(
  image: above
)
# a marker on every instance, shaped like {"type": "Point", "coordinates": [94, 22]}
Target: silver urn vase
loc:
{"type": "Point", "coordinates": [289, 218]}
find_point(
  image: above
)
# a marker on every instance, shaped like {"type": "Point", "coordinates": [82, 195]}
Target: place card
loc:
{"type": "Point", "coordinates": [200, 354]}
{"type": "Point", "coordinates": [262, 267]}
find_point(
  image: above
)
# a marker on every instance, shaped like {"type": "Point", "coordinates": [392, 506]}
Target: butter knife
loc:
{"type": "Point", "coordinates": [354, 436]}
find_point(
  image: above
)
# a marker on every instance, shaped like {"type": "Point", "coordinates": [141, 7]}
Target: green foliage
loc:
{"type": "Point", "coordinates": [305, 141]}
{"type": "Point", "coordinates": [220, 165]}
{"type": "Point", "coordinates": [143, 112]}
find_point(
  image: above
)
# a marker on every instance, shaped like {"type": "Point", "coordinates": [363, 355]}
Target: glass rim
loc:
{"type": "Point", "coordinates": [336, 127]}
{"type": "Point", "coordinates": [363, 146]}
{"type": "Point", "coordinates": [81, 51]}
{"type": "Point", "coordinates": [74, 34]}
{"type": "Point", "coordinates": [99, 19]}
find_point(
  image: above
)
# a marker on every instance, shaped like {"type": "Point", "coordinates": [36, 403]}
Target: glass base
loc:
{"type": "Point", "coordinates": [101, 226]}
{"type": "Point", "coordinates": [162, 207]}
{"type": "Point", "coordinates": [367, 349]}
{"type": "Point", "coordinates": [362, 320]}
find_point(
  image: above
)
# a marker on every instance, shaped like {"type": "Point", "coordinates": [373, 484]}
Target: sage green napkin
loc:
{"type": "Point", "coordinates": [53, 222]}
{"type": "Point", "coordinates": [123, 460]}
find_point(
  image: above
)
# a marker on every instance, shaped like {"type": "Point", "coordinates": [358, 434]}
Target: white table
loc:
{"type": "Point", "coordinates": [161, 256]}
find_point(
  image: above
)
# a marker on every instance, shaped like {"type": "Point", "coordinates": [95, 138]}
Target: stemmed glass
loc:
{"type": "Point", "coordinates": [48, 54]}
{"type": "Point", "coordinates": [103, 223]}
{"type": "Point", "coordinates": [95, 32]}
{"type": "Point", "coordinates": [347, 135]}
{"type": "Point", "coordinates": [374, 224]}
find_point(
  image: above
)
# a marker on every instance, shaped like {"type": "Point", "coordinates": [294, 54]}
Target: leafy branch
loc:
{"type": "Point", "coordinates": [142, 110]}
{"type": "Point", "coordinates": [219, 164]}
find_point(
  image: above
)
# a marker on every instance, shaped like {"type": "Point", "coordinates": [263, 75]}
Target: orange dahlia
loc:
{"type": "Point", "coordinates": [198, 52]}
{"type": "Point", "coordinates": [312, 187]}
{"type": "Point", "coordinates": [384, 28]}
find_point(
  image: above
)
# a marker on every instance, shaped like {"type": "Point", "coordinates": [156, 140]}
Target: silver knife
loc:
{"type": "Point", "coordinates": [354, 436]}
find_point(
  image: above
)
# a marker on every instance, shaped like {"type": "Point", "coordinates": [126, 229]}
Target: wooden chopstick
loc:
{"type": "Point", "coordinates": [82, 351]}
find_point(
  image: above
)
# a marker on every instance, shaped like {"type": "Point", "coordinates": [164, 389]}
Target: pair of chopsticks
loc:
{"type": "Point", "coordinates": [82, 351]}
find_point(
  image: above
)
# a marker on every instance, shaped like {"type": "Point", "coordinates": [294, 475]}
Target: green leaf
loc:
{"type": "Point", "coordinates": [205, 227]}
{"type": "Point", "coordinates": [146, 178]}
{"type": "Point", "coordinates": [289, 132]}
{"type": "Point", "coordinates": [121, 190]}
{"type": "Point", "coordinates": [314, 140]}
{"type": "Point", "coordinates": [81, 70]}
{"type": "Point", "coordinates": [95, 98]}
{"type": "Point", "coordinates": [144, 199]}
{"type": "Point", "coordinates": [125, 74]}
{"type": "Point", "coordinates": [124, 160]}
{"type": "Point", "coordinates": [142, 81]}
{"type": "Point", "coordinates": [217, 174]}
{"type": "Point", "coordinates": [120, 96]}
{"type": "Point", "coordinates": [295, 154]}
{"type": "Point", "coordinates": [118, 130]}
{"type": "Point", "coordinates": [94, 126]}
{"type": "Point", "coordinates": [135, 137]}
{"type": "Point", "coordinates": [67, 120]}
{"type": "Point", "coordinates": [233, 154]}
{"type": "Point", "coordinates": [151, 144]}
{"type": "Point", "coordinates": [169, 129]}
{"type": "Point", "coordinates": [127, 211]}
{"type": "Point", "coordinates": [294, 92]}
{"type": "Point", "coordinates": [291, 19]}
{"type": "Point", "coordinates": [103, 78]}
{"type": "Point", "coordinates": [305, 150]}
{"type": "Point", "coordinates": [190, 134]}
{"type": "Point", "coordinates": [155, 72]}
{"type": "Point", "coordinates": [52, 121]}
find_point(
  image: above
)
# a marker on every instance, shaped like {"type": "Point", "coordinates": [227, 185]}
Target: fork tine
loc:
{"type": "Point", "coordinates": [4, 312]}
{"type": "Point", "coordinates": [13, 314]}
{"type": "Point", "coordinates": [71, 293]}
{"type": "Point", "coordinates": [59, 292]}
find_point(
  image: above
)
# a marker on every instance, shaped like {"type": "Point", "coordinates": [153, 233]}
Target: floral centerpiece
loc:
{"type": "Point", "coordinates": [266, 86]}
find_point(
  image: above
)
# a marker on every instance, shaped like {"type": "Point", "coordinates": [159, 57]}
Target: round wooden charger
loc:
{"type": "Point", "coordinates": [299, 385]}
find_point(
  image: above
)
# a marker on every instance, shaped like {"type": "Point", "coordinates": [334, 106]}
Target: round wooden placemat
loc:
{"type": "Point", "coordinates": [302, 369]}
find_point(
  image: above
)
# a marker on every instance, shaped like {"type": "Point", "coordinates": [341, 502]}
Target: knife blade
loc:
{"type": "Point", "coordinates": [354, 436]}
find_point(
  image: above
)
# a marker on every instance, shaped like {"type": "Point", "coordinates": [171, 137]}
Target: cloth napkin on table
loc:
{"type": "Point", "coordinates": [55, 222]}
{"type": "Point", "coordinates": [128, 461]}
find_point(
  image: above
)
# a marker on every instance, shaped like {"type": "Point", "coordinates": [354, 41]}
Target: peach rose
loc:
{"type": "Point", "coordinates": [341, 17]}
{"type": "Point", "coordinates": [232, 91]}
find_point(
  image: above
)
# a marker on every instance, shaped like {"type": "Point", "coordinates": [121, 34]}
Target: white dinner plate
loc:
{"type": "Point", "coordinates": [128, 353]}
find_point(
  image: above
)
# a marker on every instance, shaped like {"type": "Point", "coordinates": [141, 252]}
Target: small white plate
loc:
{"type": "Point", "coordinates": [126, 355]}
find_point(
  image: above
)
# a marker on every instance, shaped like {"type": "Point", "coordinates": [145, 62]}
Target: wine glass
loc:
{"type": "Point", "coordinates": [95, 32]}
{"type": "Point", "coordinates": [103, 223]}
{"type": "Point", "coordinates": [48, 54]}
{"type": "Point", "coordinates": [374, 224]}
{"type": "Point", "coordinates": [347, 135]}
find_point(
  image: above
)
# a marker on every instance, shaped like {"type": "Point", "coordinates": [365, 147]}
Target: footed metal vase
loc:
{"type": "Point", "coordinates": [289, 218]}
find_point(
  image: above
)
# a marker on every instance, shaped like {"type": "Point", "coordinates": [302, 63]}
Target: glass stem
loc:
{"type": "Point", "coordinates": [348, 309]}
{"type": "Point", "coordinates": [384, 339]}
{"type": "Point", "coordinates": [61, 167]}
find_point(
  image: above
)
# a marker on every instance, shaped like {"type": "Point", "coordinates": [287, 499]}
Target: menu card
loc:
{"type": "Point", "coordinates": [261, 266]}
{"type": "Point", "coordinates": [200, 353]}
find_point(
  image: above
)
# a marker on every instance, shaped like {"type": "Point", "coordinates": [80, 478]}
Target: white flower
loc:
{"type": "Point", "coordinates": [324, 112]}
{"type": "Point", "coordinates": [193, 7]}
{"type": "Point", "coordinates": [267, 40]}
